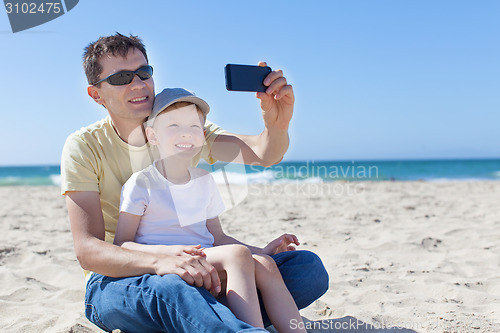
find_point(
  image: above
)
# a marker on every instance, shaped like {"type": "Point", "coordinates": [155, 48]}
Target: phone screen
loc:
{"type": "Point", "coordinates": [246, 77]}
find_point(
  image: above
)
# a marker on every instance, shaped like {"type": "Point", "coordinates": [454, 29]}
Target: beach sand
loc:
{"type": "Point", "coordinates": [423, 256]}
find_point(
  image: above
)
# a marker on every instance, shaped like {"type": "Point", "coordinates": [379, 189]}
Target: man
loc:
{"type": "Point", "coordinates": [143, 292]}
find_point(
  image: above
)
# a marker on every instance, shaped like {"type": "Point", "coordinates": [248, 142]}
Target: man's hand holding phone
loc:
{"type": "Point", "coordinates": [275, 94]}
{"type": "Point", "coordinates": [277, 101]}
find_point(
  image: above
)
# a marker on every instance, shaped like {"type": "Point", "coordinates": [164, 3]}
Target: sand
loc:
{"type": "Point", "coordinates": [402, 256]}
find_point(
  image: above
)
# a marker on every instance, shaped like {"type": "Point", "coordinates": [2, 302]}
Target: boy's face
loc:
{"type": "Point", "coordinates": [178, 132]}
{"type": "Point", "coordinates": [133, 101]}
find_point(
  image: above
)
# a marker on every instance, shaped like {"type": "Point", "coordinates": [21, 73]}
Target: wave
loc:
{"type": "Point", "coordinates": [56, 179]}
{"type": "Point", "coordinates": [10, 181]}
{"type": "Point", "coordinates": [263, 177]}
{"type": "Point", "coordinates": [445, 180]}
{"type": "Point", "coordinates": [51, 180]}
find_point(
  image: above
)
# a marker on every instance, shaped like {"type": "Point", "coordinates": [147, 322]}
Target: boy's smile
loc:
{"type": "Point", "coordinates": [184, 146]}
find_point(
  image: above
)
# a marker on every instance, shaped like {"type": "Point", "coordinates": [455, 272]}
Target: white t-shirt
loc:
{"type": "Point", "coordinates": [172, 214]}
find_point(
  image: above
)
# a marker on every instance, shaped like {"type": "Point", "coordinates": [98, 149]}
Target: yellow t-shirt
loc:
{"type": "Point", "coordinates": [95, 158]}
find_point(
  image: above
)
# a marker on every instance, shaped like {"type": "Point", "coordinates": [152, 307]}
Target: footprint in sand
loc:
{"type": "Point", "coordinates": [430, 243]}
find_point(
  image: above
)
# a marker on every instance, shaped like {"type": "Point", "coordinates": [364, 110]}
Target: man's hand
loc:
{"type": "Point", "coordinates": [281, 244]}
{"type": "Point", "coordinates": [269, 147]}
{"type": "Point", "coordinates": [193, 269]}
{"type": "Point", "coordinates": [277, 102]}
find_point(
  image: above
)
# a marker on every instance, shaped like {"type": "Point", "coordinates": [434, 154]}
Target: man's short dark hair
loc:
{"type": "Point", "coordinates": [115, 45]}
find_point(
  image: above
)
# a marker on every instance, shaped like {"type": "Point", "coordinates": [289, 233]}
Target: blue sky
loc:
{"type": "Point", "coordinates": [374, 79]}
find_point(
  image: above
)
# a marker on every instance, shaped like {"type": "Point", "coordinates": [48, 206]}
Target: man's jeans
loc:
{"type": "Point", "coordinates": [153, 303]}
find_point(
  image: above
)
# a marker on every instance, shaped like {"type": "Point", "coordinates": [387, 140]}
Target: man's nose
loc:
{"type": "Point", "coordinates": [137, 82]}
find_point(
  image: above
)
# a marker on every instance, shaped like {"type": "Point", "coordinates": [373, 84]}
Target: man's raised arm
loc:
{"type": "Point", "coordinates": [269, 147]}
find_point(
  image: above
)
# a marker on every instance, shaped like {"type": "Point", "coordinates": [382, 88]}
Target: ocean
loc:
{"type": "Point", "coordinates": [303, 171]}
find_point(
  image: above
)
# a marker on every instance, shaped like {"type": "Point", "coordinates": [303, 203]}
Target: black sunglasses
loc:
{"type": "Point", "coordinates": [126, 77]}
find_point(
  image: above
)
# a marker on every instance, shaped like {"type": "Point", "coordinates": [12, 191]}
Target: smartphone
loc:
{"type": "Point", "coordinates": [246, 77]}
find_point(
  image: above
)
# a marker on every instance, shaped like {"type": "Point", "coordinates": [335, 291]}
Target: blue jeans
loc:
{"type": "Point", "coordinates": [153, 303]}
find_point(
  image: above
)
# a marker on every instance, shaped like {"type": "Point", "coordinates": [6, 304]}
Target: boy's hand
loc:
{"type": "Point", "coordinates": [179, 250]}
{"type": "Point", "coordinates": [281, 244]}
{"type": "Point", "coordinates": [194, 250]}
{"type": "Point", "coordinates": [277, 102]}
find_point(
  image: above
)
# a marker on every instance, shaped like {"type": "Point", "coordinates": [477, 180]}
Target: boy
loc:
{"type": "Point", "coordinates": [171, 203]}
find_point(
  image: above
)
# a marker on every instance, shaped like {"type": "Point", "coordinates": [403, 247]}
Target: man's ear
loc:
{"type": "Point", "coordinates": [151, 135]}
{"type": "Point", "coordinates": [94, 94]}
